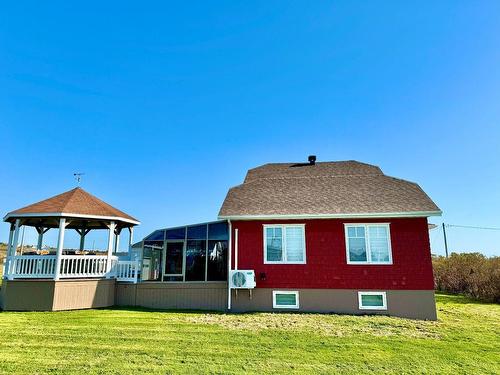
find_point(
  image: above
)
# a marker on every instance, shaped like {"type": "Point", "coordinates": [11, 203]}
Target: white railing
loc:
{"type": "Point", "coordinates": [72, 266]}
{"type": "Point", "coordinates": [127, 270]}
{"type": "Point", "coordinates": [31, 266]}
{"type": "Point", "coordinates": [84, 266]}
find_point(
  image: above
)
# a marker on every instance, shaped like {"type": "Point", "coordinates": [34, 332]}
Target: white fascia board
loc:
{"type": "Point", "coordinates": [375, 215]}
{"type": "Point", "coordinates": [64, 214]}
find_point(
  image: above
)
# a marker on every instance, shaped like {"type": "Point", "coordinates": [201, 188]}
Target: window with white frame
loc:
{"type": "Point", "coordinates": [372, 300]}
{"type": "Point", "coordinates": [368, 244]}
{"type": "Point", "coordinates": [284, 244]}
{"type": "Point", "coordinates": [285, 299]}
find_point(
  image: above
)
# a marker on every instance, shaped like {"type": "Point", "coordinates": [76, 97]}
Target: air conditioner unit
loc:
{"type": "Point", "coordinates": [242, 279]}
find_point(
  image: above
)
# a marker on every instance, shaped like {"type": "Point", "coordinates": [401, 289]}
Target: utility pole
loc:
{"type": "Point", "coordinates": [445, 242]}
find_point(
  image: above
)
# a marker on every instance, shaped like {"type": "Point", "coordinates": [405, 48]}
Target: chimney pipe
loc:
{"type": "Point", "coordinates": [312, 159]}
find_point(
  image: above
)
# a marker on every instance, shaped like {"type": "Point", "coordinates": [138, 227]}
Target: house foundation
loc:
{"type": "Point", "coordinates": [177, 296]}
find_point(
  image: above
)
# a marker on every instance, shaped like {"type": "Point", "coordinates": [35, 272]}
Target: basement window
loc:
{"type": "Point", "coordinates": [284, 244]}
{"type": "Point", "coordinates": [285, 300]}
{"type": "Point", "coordinates": [372, 300]}
{"type": "Point", "coordinates": [368, 244]}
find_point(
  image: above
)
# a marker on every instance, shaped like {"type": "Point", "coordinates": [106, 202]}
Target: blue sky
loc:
{"type": "Point", "coordinates": [164, 106]}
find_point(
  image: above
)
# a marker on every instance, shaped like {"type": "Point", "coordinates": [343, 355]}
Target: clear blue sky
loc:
{"type": "Point", "coordinates": [165, 106]}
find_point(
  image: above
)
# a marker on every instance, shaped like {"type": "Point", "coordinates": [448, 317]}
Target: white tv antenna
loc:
{"type": "Point", "coordinates": [78, 177]}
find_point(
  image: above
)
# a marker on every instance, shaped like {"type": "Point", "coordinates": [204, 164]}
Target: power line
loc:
{"type": "Point", "coordinates": [471, 227]}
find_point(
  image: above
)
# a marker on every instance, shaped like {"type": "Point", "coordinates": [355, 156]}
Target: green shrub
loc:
{"type": "Point", "coordinates": [471, 274]}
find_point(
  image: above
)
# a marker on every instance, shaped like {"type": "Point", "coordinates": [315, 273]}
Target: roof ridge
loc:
{"type": "Point", "coordinates": [317, 176]}
{"type": "Point", "coordinates": [70, 193]}
{"type": "Point", "coordinates": [99, 201]}
{"type": "Point", "coordinates": [316, 163]}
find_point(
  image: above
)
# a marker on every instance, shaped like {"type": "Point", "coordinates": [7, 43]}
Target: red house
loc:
{"type": "Point", "coordinates": [339, 237]}
{"type": "Point", "coordinates": [336, 237]}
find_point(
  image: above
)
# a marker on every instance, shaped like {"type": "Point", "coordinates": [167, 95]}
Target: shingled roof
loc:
{"type": "Point", "coordinates": [327, 189]}
{"type": "Point", "coordinates": [73, 202]}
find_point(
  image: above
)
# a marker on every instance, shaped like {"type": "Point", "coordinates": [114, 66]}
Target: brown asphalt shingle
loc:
{"type": "Point", "coordinates": [75, 201]}
{"type": "Point", "coordinates": [327, 188]}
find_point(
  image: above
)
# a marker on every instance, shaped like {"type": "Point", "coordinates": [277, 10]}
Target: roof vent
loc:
{"type": "Point", "coordinates": [312, 159]}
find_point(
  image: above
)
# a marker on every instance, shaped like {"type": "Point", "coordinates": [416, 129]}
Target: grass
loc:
{"type": "Point", "coordinates": [465, 340]}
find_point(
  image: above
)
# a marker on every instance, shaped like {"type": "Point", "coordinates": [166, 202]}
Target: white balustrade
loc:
{"type": "Point", "coordinates": [31, 266]}
{"type": "Point", "coordinates": [127, 271]}
{"type": "Point", "coordinates": [72, 266]}
{"type": "Point", "coordinates": [84, 266]}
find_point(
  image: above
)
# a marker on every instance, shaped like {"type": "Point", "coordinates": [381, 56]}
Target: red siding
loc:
{"type": "Point", "coordinates": [326, 257]}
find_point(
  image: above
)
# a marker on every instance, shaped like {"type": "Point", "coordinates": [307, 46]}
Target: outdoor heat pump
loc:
{"type": "Point", "coordinates": [242, 279]}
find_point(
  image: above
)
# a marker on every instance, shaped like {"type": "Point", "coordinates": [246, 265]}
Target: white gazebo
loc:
{"type": "Point", "coordinates": [73, 210]}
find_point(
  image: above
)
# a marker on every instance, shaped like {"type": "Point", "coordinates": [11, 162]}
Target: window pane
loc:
{"type": "Point", "coordinates": [198, 232]}
{"type": "Point", "coordinates": [374, 300]}
{"type": "Point", "coordinates": [175, 256]}
{"type": "Point", "coordinates": [294, 244]}
{"type": "Point", "coordinates": [286, 299]}
{"type": "Point", "coordinates": [218, 231]}
{"type": "Point", "coordinates": [217, 261]}
{"type": "Point", "coordinates": [269, 232]}
{"type": "Point", "coordinates": [379, 244]}
{"type": "Point", "coordinates": [176, 234]}
{"type": "Point", "coordinates": [155, 236]}
{"type": "Point", "coordinates": [357, 244]}
{"type": "Point", "coordinates": [274, 245]}
{"type": "Point", "coordinates": [195, 260]}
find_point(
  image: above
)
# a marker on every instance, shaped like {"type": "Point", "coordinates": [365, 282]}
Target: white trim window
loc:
{"type": "Point", "coordinates": [372, 300]}
{"type": "Point", "coordinates": [284, 244]}
{"type": "Point", "coordinates": [285, 299]}
{"type": "Point", "coordinates": [368, 243]}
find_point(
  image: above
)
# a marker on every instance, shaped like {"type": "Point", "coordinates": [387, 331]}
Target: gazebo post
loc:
{"type": "Point", "coordinates": [9, 244]}
{"type": "Point", "coordinates": [60, 244]}
{"type": "Point", "coordinates": [110, 248]}
{"type": "Point", "coordinates": [41, 231]}
{"type": "Point", "coordinates": [131, 237]}
{"type": "Point", "coordinates": [82, 239]}
{"type": "Point", "coordinates": [13, 248]}
{"type": "Point", "coordinates": [15, 241]}
{"type": "Point", "coordinates": [82, 232]}
{"type": "Point", "coordinates": [117, 239]}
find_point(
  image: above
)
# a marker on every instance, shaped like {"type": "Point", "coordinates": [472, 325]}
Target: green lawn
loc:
{"type": "Point", "coordinates": [465, 340]}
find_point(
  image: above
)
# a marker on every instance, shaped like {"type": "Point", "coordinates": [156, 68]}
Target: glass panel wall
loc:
{"type": "Point", "coordinates": [217, 260]}
{"type": "Point", "coordinates": [176, 234]}
{"type": "Point", "coordinates": [174, 258]}
{"type": "Point", "coordinates": [191, 253]}
{"type": "Point", "coordinates": [151, 262]}
{"type": "Point", "coordinates": [195, 260]}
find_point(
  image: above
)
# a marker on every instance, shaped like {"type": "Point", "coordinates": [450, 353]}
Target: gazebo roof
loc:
{"type": "Point", "coordinates": [75, 203]}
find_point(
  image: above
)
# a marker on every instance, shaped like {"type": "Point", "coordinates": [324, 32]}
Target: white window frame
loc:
{"type": "Point", "coordinates": [283, 242]}
{"type": "Point", "coordinates": [384, 300]}
{"type": "Point", "coordinates": [367, 242]}
{"type": "Point", "coordinates": [276, 306]}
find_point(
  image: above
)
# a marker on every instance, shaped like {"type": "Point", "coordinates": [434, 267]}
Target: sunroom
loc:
{"type": "Point", "coordinates": [191, 253]}
{"type": "Point", "coordinates": [183, 267]}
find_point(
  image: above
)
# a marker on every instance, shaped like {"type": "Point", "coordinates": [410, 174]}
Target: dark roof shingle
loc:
{"type": "Point", "coordinates": [329, 188]}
